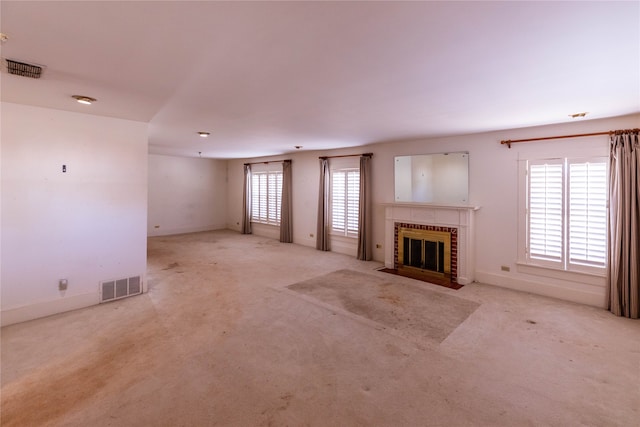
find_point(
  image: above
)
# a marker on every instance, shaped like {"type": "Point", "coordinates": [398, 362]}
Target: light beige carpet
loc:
{"type": "Point", "coordinates": [219, 340]}
{"type": "Point", "coordinates": [413, 310]}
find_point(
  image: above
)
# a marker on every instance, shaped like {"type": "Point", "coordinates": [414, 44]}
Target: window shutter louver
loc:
{"type": "Point", "coordinates": [345, 197]}
{"type": "Point", "coordinates": [353, 201]}
{"type": "Point", "coordinates": [546, 232]}
{"type": "Point", "coordinates": [278, 197]}
{"type": "Point", "coordinates": [588, 213]}
{"type": "Point", "coordinates": [255, 197]}
{"type": "Point", "coordinates": [262, 214]}
{"type": "Point", "coordinates": [338, 201]}
{"type": "Point", "coordinates": [272, 200]}
{"type": "Point", "coordinates": [266, 197]}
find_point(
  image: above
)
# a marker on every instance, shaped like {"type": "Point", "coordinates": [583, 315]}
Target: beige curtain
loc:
{"type": "Point", "coordinates": [364, 210]}
{"type": "Point", "coordinates": [246, 201]}
{"type": "Point", "coordinates": [286, 223]}
{"type": "Point", "coordinates": [623, 272]}
{"type": "Point", "coordinates": [322, 230]}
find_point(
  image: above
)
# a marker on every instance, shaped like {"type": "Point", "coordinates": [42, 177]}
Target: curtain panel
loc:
{"type": "Point", "coordinates": [364, 210]}
{"type": "Point", "coordinates": [623, 271]}
{"type": "Point", "coordinates": [246, 201]}
{"type": "Point", "coordinates": [322, 231]}
{"type": "Point", "coordinates": [286, 211]}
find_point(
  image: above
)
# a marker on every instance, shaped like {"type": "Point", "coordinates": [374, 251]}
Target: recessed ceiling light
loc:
{"type": "Point", "coordinates": [578, 115]}
{"type": "Point", "coordinates": [204, 134]}
{"type": "Point", "coordinates": [84, 99]}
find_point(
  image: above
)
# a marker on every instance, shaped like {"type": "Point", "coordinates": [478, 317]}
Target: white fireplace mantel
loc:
{"type": "Point", "coordinates": [454, 216]}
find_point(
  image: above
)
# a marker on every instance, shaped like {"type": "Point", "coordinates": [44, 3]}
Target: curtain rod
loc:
{"type": "Point", "coordinates": [611, 132]}
{"type": "Point", "coordinates": [266, 163]}
{"type": "Point", "coordinates": [346, 155]}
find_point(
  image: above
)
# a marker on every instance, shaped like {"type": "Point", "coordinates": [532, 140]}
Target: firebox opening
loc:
{"type": "Point", "coordinates": [425, 251]}
{"type": "Point", "coordinates": [424, 254]}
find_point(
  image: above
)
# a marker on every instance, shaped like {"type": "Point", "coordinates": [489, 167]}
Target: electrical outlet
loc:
{"type": "Point", "coordinates": [505, 268]}
{"type": "Point", "coordinates": [310, 234]}
{"type": "Point", "coordinates": [378, 245]}
{"type": "Point", "coordinates": [62, 284]}
{"type": "Point", "coordinates": [156, 226]}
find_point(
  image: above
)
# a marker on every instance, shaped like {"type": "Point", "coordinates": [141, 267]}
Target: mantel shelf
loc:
{"type": "Point", "coordinates": [430, 206]}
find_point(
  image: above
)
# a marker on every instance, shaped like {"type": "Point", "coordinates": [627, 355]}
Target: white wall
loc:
{"type": "Point", "coordinates": [493, 185]}
{"type": "Point", "coordinates": [304, 189]}
{"type": "Point", "coordinates": [86, 225]}
{"type": "Point", "coordinates": [305, 171]}
{"type": "Point", "coordinates": [186, 195]}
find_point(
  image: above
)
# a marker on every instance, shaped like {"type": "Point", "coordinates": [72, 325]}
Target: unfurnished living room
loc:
{"type": "Point", "coordinates": [320, 213]}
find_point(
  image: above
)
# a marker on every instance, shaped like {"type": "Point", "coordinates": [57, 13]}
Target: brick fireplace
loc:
{"type": "Point", "coordinates": [456, 222]}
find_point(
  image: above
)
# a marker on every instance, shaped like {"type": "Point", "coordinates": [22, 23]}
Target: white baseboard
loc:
{"type": "Point", "coordinates": [47, 308]}
{"type": "Point", "coordinates": [183, 230]}
{"type": "Point", "coordinates": [463, 280]}
{"type": "Point", "coordinates": [265, 230]}
{"type": "Point", "coordinates": [344, 249]}
{"type": "Point", "coordinates": [580, 293]}
{"type": "Point", "coordinates": [234, 227]}
{"type": "Point", "coordinates": [306, 241]}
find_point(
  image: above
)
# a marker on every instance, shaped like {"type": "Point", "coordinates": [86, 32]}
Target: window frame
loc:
{"type": "Point", "coordinates": [549, 260]}
{"type": "Point", "coordinates": [271, 217]}
{"type": "Point", "coordinates": [565, 264]}
{"type": "Point", "coordinates": [585, 264]}
{"type": "Point", "coordinates": [344, 231]}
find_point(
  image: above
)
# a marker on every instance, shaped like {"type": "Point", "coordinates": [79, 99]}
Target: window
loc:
{"type": "Point", "coordinates": [266, 196]}
{"type": "Point", "coordinates": [566, 214]}
{"type": "Point", "coordinates": [345, 198]}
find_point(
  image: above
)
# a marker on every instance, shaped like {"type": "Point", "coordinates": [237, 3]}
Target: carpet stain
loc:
{"type": "Point", "coordinates": [172, 265]}
{"type": "Point", "coordinates": [286, 398]}
{"type": "Point", "coordinates": [272, 417]}
{"type": "Point", "coordinates": [395, 351]}
{"type": "Point", "coordinates": [413, 309]}
{"type": "Point", "coordinates": [387, 295]}
{"type": "Point", "coordinates": [53, 391]}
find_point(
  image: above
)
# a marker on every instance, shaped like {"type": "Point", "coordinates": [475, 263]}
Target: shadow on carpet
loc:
{"type": "Point", "coordinates": [410, 309]}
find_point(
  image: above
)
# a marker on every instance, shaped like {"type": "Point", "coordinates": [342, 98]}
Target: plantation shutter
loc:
{"type": "Point", "coordinates": [338, 201]}
{"type": "Point", "coordinates": [353, 198]}
{"type": "Point", "coordinates": [545, 211]}
{"type": "Point", "coordinates": [278, 196]}
{"type": "Point", "coordinates": [262, 201]}
{"type": "Point", "coordinates": [255, 197]}
{"type": "Point", "coordinates": [274, 197]}
{"type": "Point", "coordinates": [588, 212]}
{"type": "Point", "coordinates": [266, 197]}
{"type": "Point", "coordinates": [345, 196]}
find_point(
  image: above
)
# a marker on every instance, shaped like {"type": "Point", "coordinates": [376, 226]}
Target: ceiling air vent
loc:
{"type": "Point", "coordinates": [23, 69]}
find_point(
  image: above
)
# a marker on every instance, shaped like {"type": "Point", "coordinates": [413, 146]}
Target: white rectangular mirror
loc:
{"type": "Point", "coordinates": [432, 178]}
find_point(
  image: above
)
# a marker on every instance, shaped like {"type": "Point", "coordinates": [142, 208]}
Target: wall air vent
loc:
{"type": "Point", "coordinates": [116, 289]}
{"type": "Point", "coordinates": [23, 69]}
